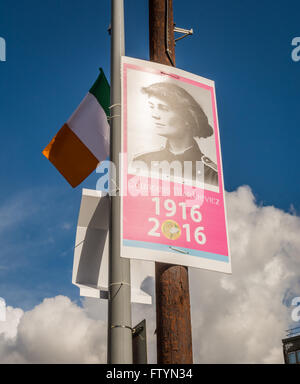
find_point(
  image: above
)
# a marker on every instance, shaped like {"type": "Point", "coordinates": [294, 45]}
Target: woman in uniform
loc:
{"type": "Point", "coordinates": [179, 118]}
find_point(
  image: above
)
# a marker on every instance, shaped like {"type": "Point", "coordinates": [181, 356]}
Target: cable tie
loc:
{"type": "Point", "coordinates": [121, 326]}
{"type": "Point", "coordinates": [119, 283]}
{"type": "Point", "coordinates": [112, 117]}
{"type": "Point", "coordinates": [115, 105]}
{"type": "Point", "coordinates": [179, 250]}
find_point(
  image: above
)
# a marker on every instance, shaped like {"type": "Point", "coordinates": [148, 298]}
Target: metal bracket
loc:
{"type": "Point", "coordinates": [185, 33]}
{"type": "Point", "coordinates": [137, 329]}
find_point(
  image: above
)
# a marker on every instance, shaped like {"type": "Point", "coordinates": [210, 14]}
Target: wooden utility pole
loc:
{"type": "Point", "coordinates": [173, 315]}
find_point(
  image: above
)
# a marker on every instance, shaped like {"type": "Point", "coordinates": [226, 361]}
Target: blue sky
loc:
{"type": "Point", "coordinates": [54, 49]}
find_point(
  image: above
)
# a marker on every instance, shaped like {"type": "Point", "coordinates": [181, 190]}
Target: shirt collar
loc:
{"type": "Point", "coordinates": [193, 147]}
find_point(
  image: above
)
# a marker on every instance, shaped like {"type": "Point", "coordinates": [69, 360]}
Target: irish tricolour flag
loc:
{"type": "Point", "coordinates": [83, 141]}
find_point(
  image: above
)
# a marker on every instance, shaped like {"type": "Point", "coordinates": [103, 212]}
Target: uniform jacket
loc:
{"type": "Point", "coordinates": [191, 154]}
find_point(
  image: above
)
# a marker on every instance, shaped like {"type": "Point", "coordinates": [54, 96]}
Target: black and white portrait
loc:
{"type": "Point", "coordinates": [172, 121]}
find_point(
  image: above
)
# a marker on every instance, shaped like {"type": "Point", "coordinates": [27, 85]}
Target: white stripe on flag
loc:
{"type": "Point", "coordinates": [89, 123]}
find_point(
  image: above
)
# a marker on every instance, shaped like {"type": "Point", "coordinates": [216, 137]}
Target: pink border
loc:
{"type": "Point", "coordinates": [211, 89]}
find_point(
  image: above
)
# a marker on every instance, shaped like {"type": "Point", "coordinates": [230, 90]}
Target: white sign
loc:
{"type": "Point", "coordinates": [90, 267]}
{"type": "Point", "coordinates": [172, 189]}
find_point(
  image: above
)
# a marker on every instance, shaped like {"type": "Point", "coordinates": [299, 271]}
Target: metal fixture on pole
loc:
{"type": "Point", "coordinates": [184, 32]}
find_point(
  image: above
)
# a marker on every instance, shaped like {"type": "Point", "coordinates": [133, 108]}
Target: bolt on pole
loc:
{"type": "Point", "coordinates": [119, 349]}
{"type": "Point", "coordinates": [173, 315]}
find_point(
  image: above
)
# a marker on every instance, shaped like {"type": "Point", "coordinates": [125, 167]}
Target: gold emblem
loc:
{"type": "Point", "coordinates": [171, 229]}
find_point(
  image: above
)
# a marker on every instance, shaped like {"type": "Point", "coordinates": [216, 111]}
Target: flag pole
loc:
{"type": "Point", "coordinates": [119, 349]}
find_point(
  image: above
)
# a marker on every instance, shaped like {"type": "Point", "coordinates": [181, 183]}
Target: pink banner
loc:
{"type": "Point", "coordinates": [170, 116]}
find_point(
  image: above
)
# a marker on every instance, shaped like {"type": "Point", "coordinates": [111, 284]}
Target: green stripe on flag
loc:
{"type": "Point", "coordinates": [101, 90]}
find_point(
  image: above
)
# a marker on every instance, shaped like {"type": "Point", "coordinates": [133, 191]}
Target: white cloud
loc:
{"type": "Point", "coordinates": [66, 226]}
{"type": "Point", "coordinates": [238, 318]}
{"type": "Point", "coordinates": [14, 211]}
{"type": "Point", "coordinates": [241, 318]}
{"type": "Point", "coordinates": [8, 328]}
{"type": "Point", "coordinates": [56, 331]}
{"type": "Point", "coordinates": [243, 314]}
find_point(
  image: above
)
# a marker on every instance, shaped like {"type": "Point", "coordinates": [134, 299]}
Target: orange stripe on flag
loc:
{"type": "Point", "coordinates": [70, 156]}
